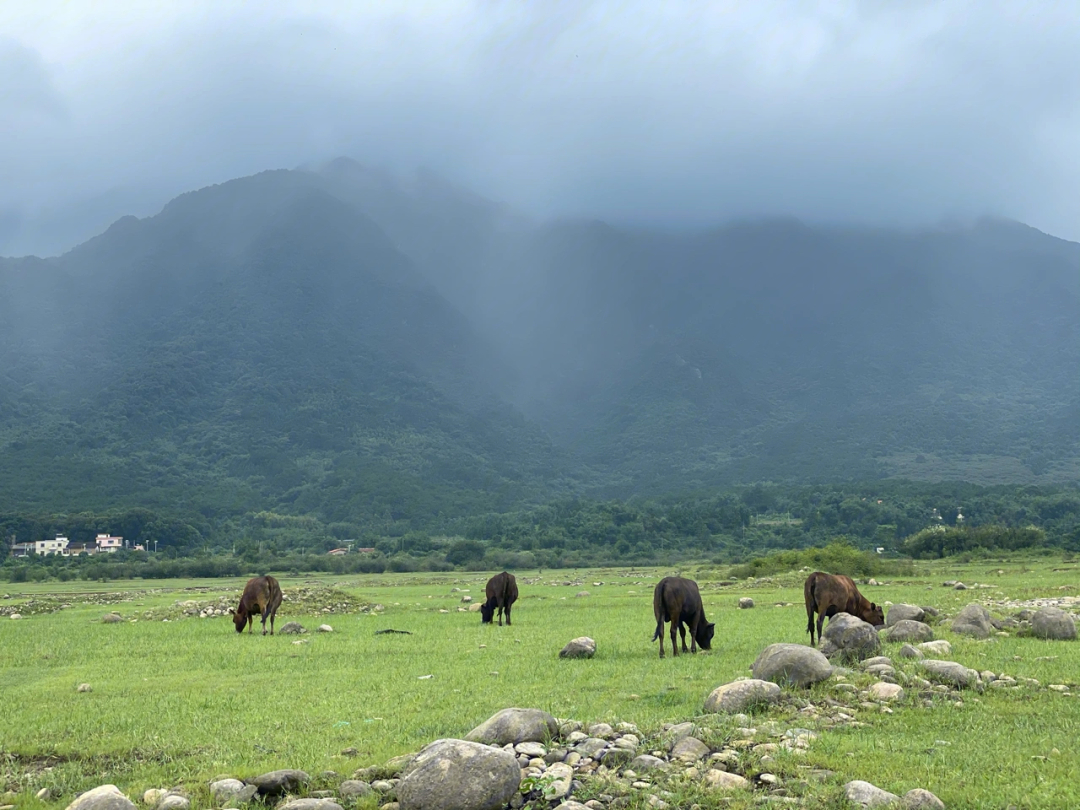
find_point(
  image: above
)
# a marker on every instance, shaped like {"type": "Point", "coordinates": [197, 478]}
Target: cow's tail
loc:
{"type": "Point", "coordinates": [661, 615]}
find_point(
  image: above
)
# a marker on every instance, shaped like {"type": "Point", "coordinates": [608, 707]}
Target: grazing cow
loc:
{"type": "Point", "coordinates": [678, 601]}
{"type": "Point", "coordinates": [262, 596]}
{"type": "Point", "coordinates": [829, 594]}
{"type": "Point", "coordinates": [501, 593]}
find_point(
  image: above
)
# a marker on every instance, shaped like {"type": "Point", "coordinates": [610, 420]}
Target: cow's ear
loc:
{"type": "Point", "coordinates": [873, 606]}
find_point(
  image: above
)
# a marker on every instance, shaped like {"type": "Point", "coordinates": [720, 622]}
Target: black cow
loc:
{"type": "Point", "coordinates": [262, 596]}
{"type": "Point", "coordinates": [501, 593]}
{"type": "Point", "coordinates": [678, 601]}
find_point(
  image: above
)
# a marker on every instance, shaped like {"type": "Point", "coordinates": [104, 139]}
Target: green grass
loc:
{"type": "Point", "coordinates": [183, 701]}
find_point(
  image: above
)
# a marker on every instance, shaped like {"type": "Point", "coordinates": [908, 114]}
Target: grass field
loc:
{"type": "Point", "coordinates": [183, 701]}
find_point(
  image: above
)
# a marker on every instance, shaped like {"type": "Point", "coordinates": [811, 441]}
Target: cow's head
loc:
{"type": "Point", "coordinates": [487, 613]}
{"type": "Point", "coordinates": [239, 619]}
{"type": "Point", "coordinates": [705, 635]}
{"type": "Point", "coordinates": [874, 615]}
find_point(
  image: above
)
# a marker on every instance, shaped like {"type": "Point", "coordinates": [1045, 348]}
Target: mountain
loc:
{"type": "Point", "coordinates": [339, 342]}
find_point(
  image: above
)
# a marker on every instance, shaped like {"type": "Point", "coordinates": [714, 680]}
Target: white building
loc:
{"type": "Point", "coordinates": [56, 546]}
{"type": "Point", "coordinates": [108, 544]}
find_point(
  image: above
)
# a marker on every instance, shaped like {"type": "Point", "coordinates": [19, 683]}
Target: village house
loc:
{"type": "Point", "coordinates": [108, 544]}
{"type": "Point", "coordinates": [57, 545]}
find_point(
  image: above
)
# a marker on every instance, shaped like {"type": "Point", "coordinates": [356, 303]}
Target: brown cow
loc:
{"type": "Point", "coordinates": [262, 596]}
{"type": "Point", "coordinates": [829, 594]}
{"type": "Point", "coordinates": [678, 601]}
{"type": "Point", "coordinates": [501, 593]}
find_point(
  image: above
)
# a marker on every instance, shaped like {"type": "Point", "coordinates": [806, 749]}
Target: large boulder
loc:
{"type": "Point", "coordinates": [733, 698]}
{"type": "Point", "coordinates": [459, 775]}
{"type": "Point", "coordinates": [581, 647]}
{"type": "Point", "coordinates": [974, 620]}
{"type": "Point", "coordinates": [278, 783]}
{"type": "Point", "coordinates": [949, 673]}
{"type": "Point", "coordinates": [513, 726]}
{"type": "Point", "coordinates": [900, 613]}
{"type": "Point", "coordinates": [864, 794]}
{"type": "Point", "coordinates": [1053, 623]}
{"type": "Point", "coordinates": [849, 638]}
{"type": "Point", "coordinates": [909, 630]}
{"type": "Point", "coordinates": [105, 797]}
{"type": "Point", "coordinates": [794, 664]}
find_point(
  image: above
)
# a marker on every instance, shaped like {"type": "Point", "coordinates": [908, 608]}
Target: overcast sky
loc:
{"type": "Point", "coordinates": [667, 112]}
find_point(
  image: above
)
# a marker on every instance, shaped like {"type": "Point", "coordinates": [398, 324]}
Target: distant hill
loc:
{"type": "Point", "coordinates": [338, 342]}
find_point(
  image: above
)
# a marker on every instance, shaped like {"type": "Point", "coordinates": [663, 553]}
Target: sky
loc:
{"type": "Point", "coordinates": [674, 114]}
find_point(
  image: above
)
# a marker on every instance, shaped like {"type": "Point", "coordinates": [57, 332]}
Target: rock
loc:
{"type": "Point", "coordinates": [866, 795]}
{"type": "Point", "coordinates": [292, 629]}
{"type": "Point", "coordinates": [1053, 623]}
{"type": "Point", "coordinates": [907, 651]}
{"type": "Point", "coordinates": [559, 777]}
{"type": "Point", "coordinates": [310, 804]}
{"type": "Point", "coordinates": [581, 647]}
{"type": "Point", "coordinates": [646, 763]}
{"type": "Point", "coordinates": [15, 616]}
{"type": "Point", "coordinates": [278, 783]}
{"type": "Point", "coordinates": [152, 796]}
{"type": "Point", "coordinates": [466, 598]}
{"type": "Point", "coordinates": [232, 791]}
{"type": "Point", "coordinates": [531, 749]}
{"type": "Point", "coordinates": [732, 698]}
{"type": "Point", "coordinates": [459, 775]}
{"type": "Point", "coordinates": [745, 603]}
{"type": "Point", "coordinates": [174, 801]}
{"type": "Point", "coordinates": [689, 749]}
{"type": "Point", "coordinates": [794, 664]}
{"type": "Point", "coordinates": [973, 620]}
{"type": "Point", "coordinates": [909, 630]}
{"type": "Point", "coordinates": [105, 797]}
{"type": "Point", "coordinates": [960, 586]}
{"type": "Point", "coordinates": [581, 594]}
{"type": "Point", "coordinates": [919, 799]}
{"type": "Point", "coordinates": [475, 607]}
{"type": "Point", "coordinates": [902, 612]}
{"type": "Point", "coordinates": [324, 628]}
{"type": "Point", "coordinates": [615, 757]}
{"type": "Point", "coordinates": [939, 647]}
{"type": "Point", "coordinates": [396, 765]}
{"type": "Point", "coordinates": [886, 691]}
{"type": "Point", "coordinates": [513, 726]}
{"type": "Point", "coordinates": [84, 687]}
{"type": "Point", "coordinates": [43, 795]}
{"type": "Point", "coordinates": [354, 789]}
{"type": "Point", "coordinates": [722, 780]}
{"type": "Point", "coordinates": [950, 673]}
{"type": "Point", "coordinates": [849, 638]}
{"type": "Point", "coordinates": [112, 618]}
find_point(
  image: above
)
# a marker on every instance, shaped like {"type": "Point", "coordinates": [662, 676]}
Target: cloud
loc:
{"type": "Point", "coordinates": [639, 111]}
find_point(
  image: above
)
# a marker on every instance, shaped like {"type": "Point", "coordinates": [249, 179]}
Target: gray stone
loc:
{"type": "Point", "coordinates": [973, 620]}
{"type": "Point", "coordinates": [513, 726]}
{"type": "Point", "coordinates": [689, 749]}
{"type": "Point", "coordinates": [152, 796]}
{"type": "Point", "coordinates": [591, 747]}
{"type": "Point", "coordinates": [886, 691]}
{"type": "Point", "coordinates": [459, 775]}
{"type": "Point", "coordinates": [938, 647]}
{"type": "Point", "coordinates": [1053, 623]}
{"type": "Point", "coordinates": [396, 765]}
{"type": "Point", "coordinates": [907, 651]}
{"type": "Point", "coordinates": [324, 628]}
{"type": "Point", "coordinates": [904, 612]}
{"type": "Point", "coordinates": [311, 804]}
{"type": "Point", "coordinates": [722, 780]}
{"type": "Point", "coordinates": [919, 799]}
{"type": "Point", "coordinates": [950, 673]}
{"type": "Point", "coordinates": [291, 629]}
{"type": "Point", "coordinates": [745, 603]}
{"type": "Point", "coordinates": [849, 638]}
{"type": "Point", "coordinates": [794, 664]}
{"type": "Point", "coordinates": [559, 777]}
{"type": "Point", "coordinates": [909, 630]}
{"type": "Point", "coordinates": [278, 783]}
{"type": "Point", "coordinates": [112, 618]}
{"type": "Point", "coordinates": [174, 801]}
{"type": "Point", "coordinates": [84, 687]}
{"type": "Point", "coordinates": [531, 749]}
{"type": "Point", "coordinates": [231, 791]}
{"type": "Point", "coordinates": [581, 647]}
{"type": "Point", "coordinates": [646, 763]}
{"type": "Point", "coordinates": [105, 797]}
{"type": "Point", "coordinates": [866, 795]}
{"type": "Point", "coordinates": [354, 789]}
{"type": "Point", "coordinates": [732, 698]}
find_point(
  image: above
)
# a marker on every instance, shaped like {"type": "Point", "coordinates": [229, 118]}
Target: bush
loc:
{"type": "Point", "coordinates": [947, 541]}
{"type": "Point", "coordinates": [839, 557]}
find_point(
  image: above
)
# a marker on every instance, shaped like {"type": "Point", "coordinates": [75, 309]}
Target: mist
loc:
{"type": "Point", "coordinates": [631, 112]}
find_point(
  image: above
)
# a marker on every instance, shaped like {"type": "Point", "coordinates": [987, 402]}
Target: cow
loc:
{"type": "Point", "coordinates": [829, 594]}
{"type": "Point", "coordinates": [501, 592]}
{"type": "Point", "coordinates": [678, 601]}
{"type": "Point", "coordinates": [262, 596]}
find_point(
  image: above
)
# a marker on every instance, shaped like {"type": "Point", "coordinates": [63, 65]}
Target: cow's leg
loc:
{"type": "Point", "coordinates": [265, 613]}
{"type": "Point", "coordinates": [810, 623]}
{"type": "Point", "coordinates": [674, 638]}
{"type": "Point", "coordinates": [508, 615]}
{"type": "Point", "coordinates": [660, 633]}
{"type": "Point", "coordinates": [820, 623]}
{"type": "Point", "coordinates": [251, 621]}
{"type": "Point", "coordinates": [693, 634]}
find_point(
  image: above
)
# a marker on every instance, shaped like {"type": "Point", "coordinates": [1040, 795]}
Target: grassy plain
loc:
{"type": "Point", "coordinates": [183, 701]}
